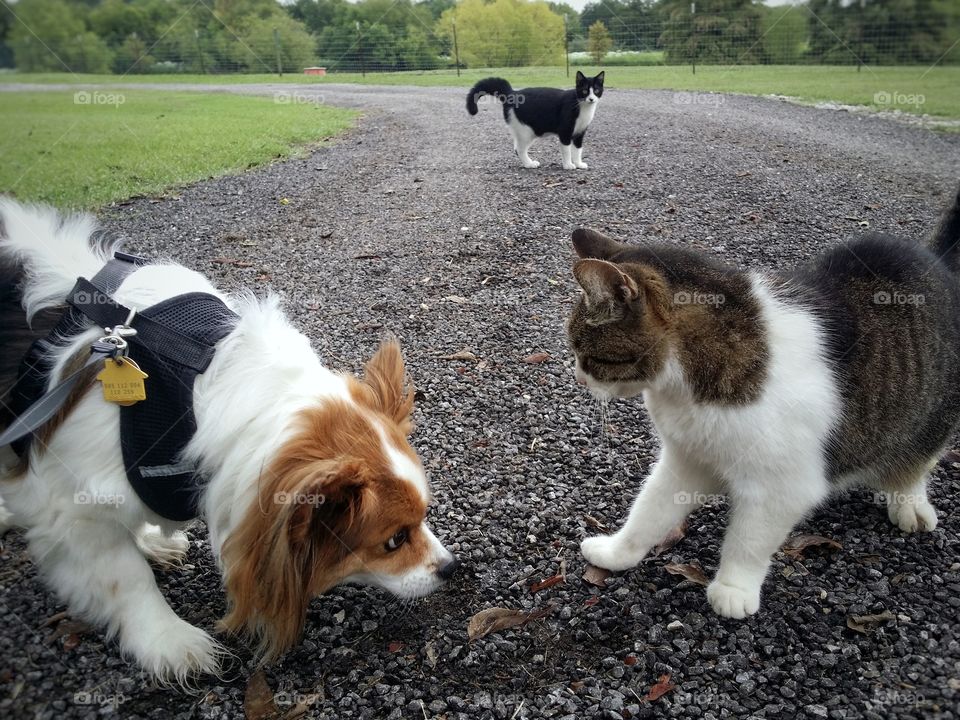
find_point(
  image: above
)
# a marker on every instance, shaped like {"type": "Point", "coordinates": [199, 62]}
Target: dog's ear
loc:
{"type": "Point", "coordinates": [307, 519]}
{"type": "Point", "coordinates": [389, 388]}
{"type": "Point", "coordinates": [591, 244]}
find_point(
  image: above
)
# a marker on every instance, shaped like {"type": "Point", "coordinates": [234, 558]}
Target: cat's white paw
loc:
{"type": "Point", "coordinates": [731, 601]}
{"type": "Point", "coordinates": [569, 166]}
{"type": "Point", "coordinates": [531, 164]}
{"type": "Point", "coordinates": [912, 514]}
{"type": "Point", "coordinates": [582, 166]}
{"type": "Point", "coordinates": [608, 552]}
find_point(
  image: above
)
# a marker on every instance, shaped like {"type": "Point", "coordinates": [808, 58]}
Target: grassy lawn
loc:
{"type": "Point", "coordinates": [128, 143]}
{"type": "Point", "coordinates": [939, 87]}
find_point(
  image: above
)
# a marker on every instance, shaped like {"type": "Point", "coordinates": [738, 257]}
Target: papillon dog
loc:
{"type": "Point", "coordinates": [307, 476]}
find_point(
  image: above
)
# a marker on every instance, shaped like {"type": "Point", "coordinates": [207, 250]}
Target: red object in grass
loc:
{"type": "Point", "coordinates": [315, 71]}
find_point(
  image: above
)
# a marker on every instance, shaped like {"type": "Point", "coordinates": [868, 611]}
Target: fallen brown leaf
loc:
{"type": "Point", "coordinates": [593, 522]}
{"type": "Point", "coordinates": [691, 571]}
{"type": "Point", "coordinates": [866, 623]}
{"type": "Point", "coordinates": [496, 619]}
{"type": "Point", "coordinates": [672, 538]}
{"type": "Point", "coordinates": [591, 601]}
{"type": "Point", "coordinates": [395, 646]}
{"type": "Point", "coordinates": [595, 576]}
{"type": "Point", "coordinates": [661, 688]}
{"type": "Point", "coordinates": [630, 660]}
{"type": "Point", "coordinates": [794, 546]}
{"type": "Point", "coordinates": [547, 583]}
{"type": "Point", "coordinates": [537, 358]}
{"type": "Point", "coordinates": [258, 701]}
{"type": "Point", "coordinates": [464, 354]}
{"type": "Point", "coordinates": [69, 629]}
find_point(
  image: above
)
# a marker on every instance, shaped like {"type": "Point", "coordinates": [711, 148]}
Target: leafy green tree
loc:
{"type": "Point", "coordinates": [635, 24]}
{"type": "Point", "coordinates": [721, 31]}
{"type": "Point", "coordinates": [599, 42]}
{"type": "Point", "coordinates": [257, 49]}
{"type": "Point", "coordinates": [52, 37]}
{"type": "Point", "coordinates": [505, 33]}
{"type": "Point", "coordinates": [785, 34]}
{"type": "Point", "coordinates": [133, 57]}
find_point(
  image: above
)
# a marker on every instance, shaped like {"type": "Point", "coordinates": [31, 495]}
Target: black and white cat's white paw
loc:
{"type": "Point", "coordinates": [732, 601]}
{"type": "Point", "coordinates": [581, 165]}
{"type": "Point", "coordinates": [531, 164]}
{"type": "Point", "coordinates": [911, 513]}
{"type": "Point", "coordinates": [567, 165]}
{"type": "Point", "coordinates": [610, 553]}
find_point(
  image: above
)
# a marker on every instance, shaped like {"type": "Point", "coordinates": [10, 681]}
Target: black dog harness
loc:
{"type": "Point", "coordinates": [174, 341]}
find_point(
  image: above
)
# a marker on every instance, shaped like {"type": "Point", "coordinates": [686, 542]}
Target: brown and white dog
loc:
{"type": "Point", "coordinates": [309, 480]}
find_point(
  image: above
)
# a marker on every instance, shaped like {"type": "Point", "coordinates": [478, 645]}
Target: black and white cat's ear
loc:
{"type": "Point", "coordinates": [604, 283]}
{"type": "Point", "coordinates": [599, 77]}
{"type": "Point", "coordinates": [591, 244]}
{"type": "Point", "coordinates": [580, 77]}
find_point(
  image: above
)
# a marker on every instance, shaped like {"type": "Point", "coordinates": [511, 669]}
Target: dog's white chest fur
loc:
{"type": "Point", "coordinates": [587, 111]}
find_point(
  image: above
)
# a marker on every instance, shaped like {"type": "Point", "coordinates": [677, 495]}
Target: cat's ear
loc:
{"type": "Point", "coordinates": [580, 77]}
{"type": "Point", "coordinates": [605, 285]}
{"type": "Point", "coordinates": [599, 77]}
{"type": "Point", "coordinates": [591, 244]}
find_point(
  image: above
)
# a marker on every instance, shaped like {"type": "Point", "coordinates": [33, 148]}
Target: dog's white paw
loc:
{"type": "Point", "coordinates": [164, 550]}
{"type": "Point", "coordinates": [582, 166]}
{"type": "Point", "coordinates": [175, 653]}
{"type": "Point", "coordinates": [912, 514]}
{"type": "Point", "coordinates": [731, 601]}
{"type": "Point", "coordinates": [608, 552]}
{"type": "Point", "coordinates": [532, 164]}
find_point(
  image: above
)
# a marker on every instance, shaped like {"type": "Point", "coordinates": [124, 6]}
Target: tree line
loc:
{"type": "Point", "coordinates": [151, 36]}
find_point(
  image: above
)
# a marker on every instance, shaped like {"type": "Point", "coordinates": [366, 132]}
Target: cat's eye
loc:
{"type": "Point", "coordinates": [398, 539]}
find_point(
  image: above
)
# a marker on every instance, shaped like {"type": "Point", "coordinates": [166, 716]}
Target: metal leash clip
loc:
{"type": "Point", "coordinates": [116, 337]}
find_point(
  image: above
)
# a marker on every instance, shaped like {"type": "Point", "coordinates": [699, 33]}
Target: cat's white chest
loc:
{"type": "Point", "coordinates": [587, 111]}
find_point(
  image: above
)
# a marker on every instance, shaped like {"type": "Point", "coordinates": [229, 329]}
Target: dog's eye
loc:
{"type": "Point", "coordinates": [396, 541]}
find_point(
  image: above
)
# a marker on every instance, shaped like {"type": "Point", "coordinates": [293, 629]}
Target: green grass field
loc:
{"type": "Point", "coordinates": [939, 86]}
{"type": "Point", "coordinates": [127, 143]}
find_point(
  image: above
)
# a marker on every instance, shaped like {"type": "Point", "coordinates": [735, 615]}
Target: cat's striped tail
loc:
{"type": "Point", "coordinates": [946, 241]}
{"type": "Point", "coordinates": [497, 87]}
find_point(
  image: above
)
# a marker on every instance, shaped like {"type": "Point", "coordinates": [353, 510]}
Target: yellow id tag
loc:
{"type": "Point", "coordinates": [122, 381]}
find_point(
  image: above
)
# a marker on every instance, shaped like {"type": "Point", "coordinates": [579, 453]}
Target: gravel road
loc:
{"type": "Point", "coordinates": [421, 222]}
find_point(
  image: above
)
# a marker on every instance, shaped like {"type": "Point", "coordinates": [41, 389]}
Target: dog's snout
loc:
{"type": "Point", "coordinates": [447, 570]}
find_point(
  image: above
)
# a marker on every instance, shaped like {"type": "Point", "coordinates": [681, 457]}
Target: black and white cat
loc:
{"type": "Point", "coordinates": [534, 112]}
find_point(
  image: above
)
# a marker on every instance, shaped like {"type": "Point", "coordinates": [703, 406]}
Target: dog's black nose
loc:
{"type": "Point", "coordinates": [446, 572]}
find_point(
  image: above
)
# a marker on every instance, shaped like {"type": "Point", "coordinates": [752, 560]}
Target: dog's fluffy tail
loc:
{"type": "Point", "coordinates": [48, 250]}
{"type": "Point", "coordinates": [491, 86]}
{"type": "Point", "coordinates": [946, 240]}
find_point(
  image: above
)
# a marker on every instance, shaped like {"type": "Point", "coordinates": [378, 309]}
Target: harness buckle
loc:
{"type": "Point", "coordinates": [117, 334]}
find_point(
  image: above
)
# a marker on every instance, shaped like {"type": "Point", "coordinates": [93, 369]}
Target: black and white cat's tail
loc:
{"type": "Point", "coordinates": [946, 240]}
{"type": "Point", "coordinates": [490, 86]}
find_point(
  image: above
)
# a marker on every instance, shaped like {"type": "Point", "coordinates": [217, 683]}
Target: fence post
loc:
{"type": "Point", "coordinates": [566, 44]}
{"type": "Point", "coordinates": [693, 11]}
{"type": "Point", "coordinates": [203, 64]}
{"type": "Point", "coordinates": [276, 44]}
{"type": "Point", "coordinates": [363, 69]}
{"type": "Point", "coordinates": [860, 41]}
{"type": "Point", "coordinates": [456, 48]}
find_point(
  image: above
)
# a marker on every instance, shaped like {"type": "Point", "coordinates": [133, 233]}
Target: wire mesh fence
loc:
{"type": "Point", "coordinates": [793, 35]}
